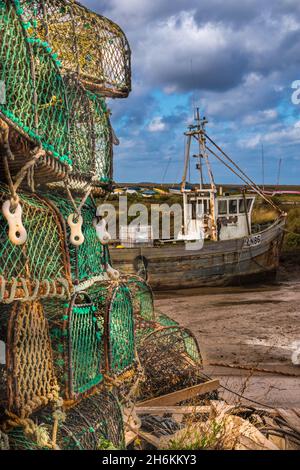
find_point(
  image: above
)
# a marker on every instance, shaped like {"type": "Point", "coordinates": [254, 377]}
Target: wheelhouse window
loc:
{"type": "Point", "coordinates": [222, 207]}
{"type": "Point", "coordinates": [242, 205]}
{"type": "Point", "coordinates": [194, 210]}
{"type": "Point", "coordinates": [206, 204]}
{"type": "Point", "coordinates": [233, 206]}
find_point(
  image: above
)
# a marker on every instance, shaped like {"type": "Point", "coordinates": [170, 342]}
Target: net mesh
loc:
{"type": "Point", "coordinates": [50, 109]}
{"type": "Point", "coordinates": [77, 344]}
{"type": "Point", "coordinates": [38, 107]}
{"type": "Point", "coordinates": [85, 347]}
{"type": "Point", "coordinates": [86, 43]}
{"type": "Point", "coordinates": [42, 258]}
{"type": "Point", "coordinates": [31, 379]}
{"type": "Point", "coordinates": [56, 312]}
{"type": "Point", "coordinates": [89, 259]}
{"type": "Point", "coordinates": [93, 424]}
{"type": "Point", "coordinates": [142, 297]}
{"type": "Point", "coordinates": [103, 138]}
{"type": "Point", "coordinates": [81, 128]}
{"type": "Point", "coordinates": [121, 331]}
{"type": "Point", "coordinates": [171, 360]}
{"type": "Point", "coordinates": [93, 421]}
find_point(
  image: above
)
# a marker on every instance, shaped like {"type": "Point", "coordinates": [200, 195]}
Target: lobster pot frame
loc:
{"type": "Point", "coordinates": [142, 297]}
{"type": "Point", "coordinates": [51, 111]}
{"type": "Point", "coordinates": [30, 372]}
{"type": "Point", "coordinates": [115, 309]}
{"type": "Point", "coordinates": [120, 331]}
{"type": "Point", "coordinates": [86, 43]}
{"type": "Point", "coordinates": [171, 359]}
{"type": "Point", "coordinates": [84, 347]}
{"type": "Point", "coordinates": [93, 422]}
{"type": "Point", "coordinates": [89, 260]}
{"type": "Point", "coordinates": [81, 128]}
{"type": "Point", "coordinates": [39, 267]}
{"type": "Point", "coordinates": [38, 108]}
{"type": "Point", "coordinates": [103, 167]}
{"type": "Point", "coordinates": [77, 343]}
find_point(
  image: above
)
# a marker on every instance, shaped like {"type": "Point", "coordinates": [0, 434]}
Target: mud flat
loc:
{"type": "Point", "coordinates": [253, 330]}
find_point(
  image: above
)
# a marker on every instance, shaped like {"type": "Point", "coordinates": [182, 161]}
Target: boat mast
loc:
{"type": "Point", "coordinates": [197, 131]}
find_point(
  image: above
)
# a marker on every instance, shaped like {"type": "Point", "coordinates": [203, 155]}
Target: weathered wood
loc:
{"type": "Point", "coordinates": [181, 395]}
{"type": "Point", "coordinates": [161, 410]}
{"type": "Point", "coordinates": [130, 436]}
{"type": "Point", "coordinates": [133, 432]}
{"type": "Point", "coordinates": [217, 264]}
{"type": "Point", "coordinates": [154, 441]}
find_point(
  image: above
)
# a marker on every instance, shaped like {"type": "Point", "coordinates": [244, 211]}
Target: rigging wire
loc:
{"type": "Point", "coordinates": [247, 181]}
{"type": "Point", "coordinates": [264, 405]}
{"type": "Point", "coordinates": [253, 184]}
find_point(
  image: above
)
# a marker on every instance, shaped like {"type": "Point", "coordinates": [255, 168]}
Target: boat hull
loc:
{"type": "Point", "coordinates": [232, 262]}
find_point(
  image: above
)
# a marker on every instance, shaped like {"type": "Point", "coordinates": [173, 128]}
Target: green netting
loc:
{"type": "Point", "coordinates": [35, 96]}
{"type": "Point", "coordinates": [56, 312]}
{"type": "Point", "coordinates": [142, 297]}
{"type": "Point", "coordinates": [19, 441]}
{"type": "Point", "coordinates": [77, 343]}
{"type": "Point", "coordinates": [81, 127]}
{"type": "Point", "coordinates": [85, 341]}
{"type": "Point", "coordinates": [86, 43]}
{"type": "Point", "coordinates": [99, 295]}
{"type": "Point", "coordinates": [89, 259]}
{"type": "Point", "coordinates": [103, 138]}
{"type": "Point", "coordinates": [164, 320]}
{"type": "Point", "coordinates": [50, 110]}
{"type": "Point", "coordinates": [52, 105]}
{"type": "Point", "coordinates": [121, 331]}
{"type": "Point", "coordinates": [15, 69]}
{"type": "Point", "coordinates": [42, 257]}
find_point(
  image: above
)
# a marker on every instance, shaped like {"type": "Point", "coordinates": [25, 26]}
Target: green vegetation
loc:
{"type": "Point", "coordinates": [195, 438]}
{"type": "Point", "coordinates": [104, 444]}
{"type": "Point", "coordinates": [292, 238]}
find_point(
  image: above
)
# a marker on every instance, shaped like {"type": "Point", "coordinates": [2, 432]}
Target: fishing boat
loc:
{"type": "Point", "coordinates": [232, 252]}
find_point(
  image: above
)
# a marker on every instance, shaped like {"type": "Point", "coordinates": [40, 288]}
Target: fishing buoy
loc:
{"type": "Point", "coordinates": [101, 231]}
{"type": "Point", "coordinates": [76, 237]}
{"type": "Point", "coordinates": [17, 232]}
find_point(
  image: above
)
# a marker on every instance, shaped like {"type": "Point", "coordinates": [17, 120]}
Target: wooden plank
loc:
{"type": "Point", "coordinates": [154, 441]}
{"type": "Point", "coordinates": [161, 410]}
{"type": "Point", "coordinates": [130, 436]}
{"type": "Point", "coordinates": [181, 395]}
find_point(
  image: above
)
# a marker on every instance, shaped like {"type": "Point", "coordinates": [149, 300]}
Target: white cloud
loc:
{"type": "Point", "coordinates": [260, 117]}
{"type": "Point", "coordinates": [157, 125]}
{"type": "Point", "coordinates": [281, 135]}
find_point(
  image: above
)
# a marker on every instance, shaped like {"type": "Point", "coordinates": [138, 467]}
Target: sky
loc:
{"type": "Point", "coordinates": [236, 60]}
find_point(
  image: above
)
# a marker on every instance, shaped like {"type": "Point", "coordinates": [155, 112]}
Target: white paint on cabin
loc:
{"type": "Point", "coordinates": [233, 220]}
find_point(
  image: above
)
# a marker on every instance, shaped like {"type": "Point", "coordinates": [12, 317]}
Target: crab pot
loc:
{"type": "Point", "coordinates": [31, 381]}
{"type": "Point", "coordinates": [93, 424]}
{"type": "Point", "coordinates": [171, 359]}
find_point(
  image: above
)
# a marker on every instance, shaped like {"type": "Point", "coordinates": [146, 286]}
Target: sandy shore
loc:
{"type": "Point", "coordinates": [255, 327]}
